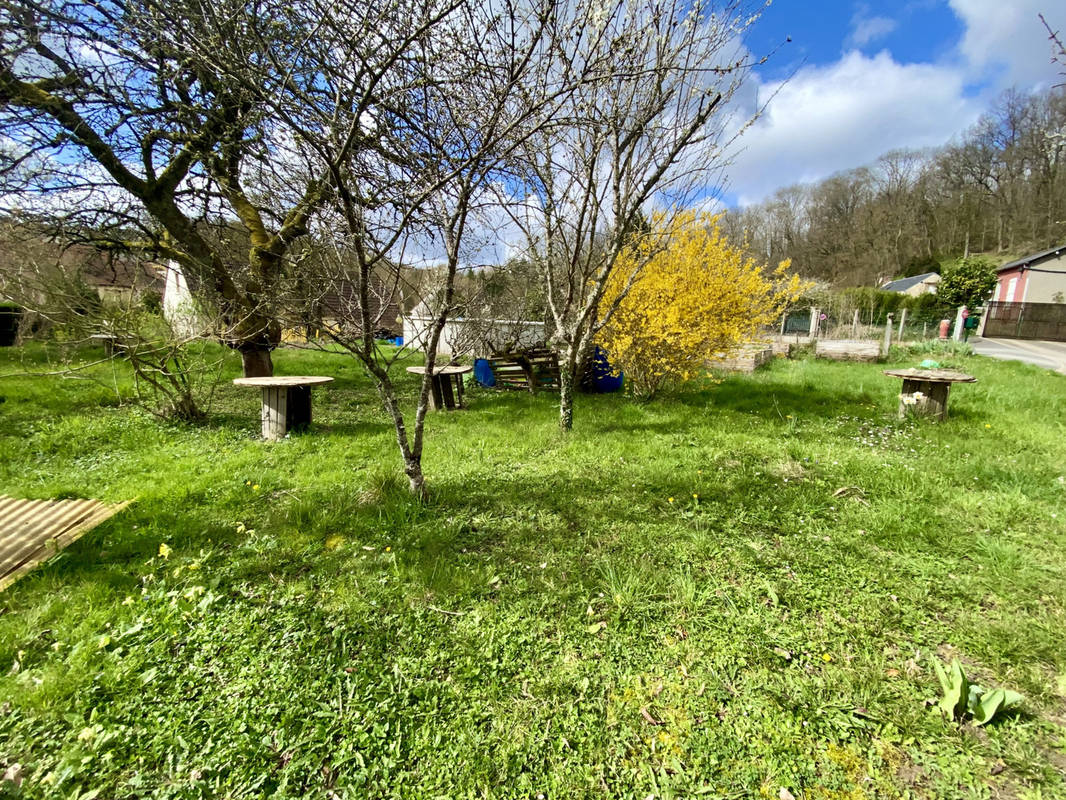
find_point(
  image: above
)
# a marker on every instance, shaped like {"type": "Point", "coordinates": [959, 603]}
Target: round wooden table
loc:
{"type": "Point", "coordinates": [286, 402]}
{"type": "Point", "coordinates": [444, 379]}
{"type": "Point", "coordinates": [925, 391]}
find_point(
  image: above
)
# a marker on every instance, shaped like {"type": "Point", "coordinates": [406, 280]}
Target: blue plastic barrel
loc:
{"type": "Point", "coordinates": [598, 377]}
{"type": "Point", "coordinates": [483, 373]}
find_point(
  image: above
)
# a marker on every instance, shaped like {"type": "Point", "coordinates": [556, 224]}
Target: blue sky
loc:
{"type": "Point", "coordinates": [860, 78]}
{"type": "Point", "coordinates": [822, 32]}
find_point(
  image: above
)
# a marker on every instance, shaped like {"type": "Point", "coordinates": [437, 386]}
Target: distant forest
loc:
{"type": "Point", "coordinates": [999, 189]}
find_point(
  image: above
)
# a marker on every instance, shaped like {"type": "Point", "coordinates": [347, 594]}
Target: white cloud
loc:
{"type": "Point", "coordinates": [866, 29]}
{"type": "Point", "coordinates": [825, 119]}
{"type": "Point", "coordinates": [1009, 39]}
{"type": "Point", "coordinates": [846, 114]}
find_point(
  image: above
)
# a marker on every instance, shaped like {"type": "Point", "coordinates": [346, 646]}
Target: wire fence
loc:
{"type": "Point", "coordinates": [863, 324]}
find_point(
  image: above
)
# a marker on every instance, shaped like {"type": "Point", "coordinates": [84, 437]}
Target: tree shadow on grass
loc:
{"type": "Point", "coordinates": [330, 426]}
{"type": "Point", "coordinates": [769, 402]}
{"type": "Point", "coordinates": [118, 553]}
{"type": "Point", "coordinates": [772, 399]}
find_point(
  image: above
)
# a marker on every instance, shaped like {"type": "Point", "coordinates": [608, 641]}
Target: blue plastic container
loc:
{"type": "Point", "coordinates": [598, 378]}
{"type": "Point", "coordinates": [483, 373]}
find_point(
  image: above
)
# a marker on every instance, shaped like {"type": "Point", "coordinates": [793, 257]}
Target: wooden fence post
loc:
{"type": "Point", "coordinates": [855, 325]}
{"type": "Point", "coordinates": [815, 313]}
{"type": "Point", "coordinates": [888, 335]}
{"type": "Point", "coordinates": [957, 333]}
{"type": "Point", "coordinates": [902, 322]}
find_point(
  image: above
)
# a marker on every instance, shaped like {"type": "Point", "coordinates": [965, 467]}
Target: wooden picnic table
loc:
{"type": "Point", "coordinates": [446, 385]}
{"type": "Point", "coordinates": [925, 391]}
{"type": "Point", "coordinates": [286, 402]}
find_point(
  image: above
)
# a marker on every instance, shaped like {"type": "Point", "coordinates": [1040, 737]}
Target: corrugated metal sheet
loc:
{"type": "Point", "coordinates": [32, 531]}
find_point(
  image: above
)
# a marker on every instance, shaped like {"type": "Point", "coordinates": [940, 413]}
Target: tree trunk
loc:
{"type": "Point", "coordinates": [416, 481]}
{"type": "Point", "coordinates": [412, 460]}
{"type": "Point", "coordinates": [185, 409]}
{"type": "Point", "coordinates": [256, 361]}
{"type": "Point", "coordinates": [566, 395]}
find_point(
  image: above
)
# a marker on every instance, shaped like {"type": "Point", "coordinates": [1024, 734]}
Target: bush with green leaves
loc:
{"type": "Point", "coordinates": [968, 282]}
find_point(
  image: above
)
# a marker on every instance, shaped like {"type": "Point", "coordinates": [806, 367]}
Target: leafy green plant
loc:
{"type": "Point", "coordinates": [962, 698]}
{"type": "Point", "coordinates": [967, 282]}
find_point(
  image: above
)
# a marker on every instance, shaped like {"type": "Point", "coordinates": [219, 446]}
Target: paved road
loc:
{"type": "Point", "coordinates": [1050, 355]}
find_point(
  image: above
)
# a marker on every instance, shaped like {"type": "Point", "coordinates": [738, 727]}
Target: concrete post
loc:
{"type": "Point", "coordinates": [956, 334]}
{"type": "Point", "coordinates": [888, 336]}
{"type": "Point", "coordinates": [815, 313]}
{"type": "Point", "coordinates": [902, 322]}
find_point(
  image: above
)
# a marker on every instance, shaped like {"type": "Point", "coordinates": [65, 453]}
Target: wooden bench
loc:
{"type": "Point", "coordinates": [286, 402]}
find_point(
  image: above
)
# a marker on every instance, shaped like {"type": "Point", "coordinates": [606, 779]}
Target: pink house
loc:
{"type": "Point", "coordinates": [1037, 278]}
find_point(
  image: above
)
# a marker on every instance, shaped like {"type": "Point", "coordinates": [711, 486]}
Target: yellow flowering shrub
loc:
{"type": "Point", "coordinates": [696, 297]}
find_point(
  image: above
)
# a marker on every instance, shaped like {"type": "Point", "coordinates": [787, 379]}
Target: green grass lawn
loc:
{"type": "Point", "coordinates": [733, 590]}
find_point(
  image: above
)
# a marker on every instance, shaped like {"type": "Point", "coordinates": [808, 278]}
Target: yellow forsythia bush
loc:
{"type": "Point", "coordinates": [696, 296]}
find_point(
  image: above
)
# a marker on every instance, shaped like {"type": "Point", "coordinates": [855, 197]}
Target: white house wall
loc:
{"type": "Point", "coordinates": [1046, 281]}
{"type": "Point", "coordinates": [462, 336]}
{"type": "Point", "coordinates": [179, 305]}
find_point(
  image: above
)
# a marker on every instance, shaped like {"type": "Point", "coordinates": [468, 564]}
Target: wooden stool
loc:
{"type": "Point", "coordinates": [446, 386]}
{"type": "Point", "coordinates": [286, 402]}
{"type": "Point", "coordinates": [931, 386]}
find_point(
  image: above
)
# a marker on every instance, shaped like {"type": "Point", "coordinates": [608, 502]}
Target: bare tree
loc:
{"type": "Point", "coordinates": [642, 136]}
{"type": "Point", "coordinates": [1058, 49]}
{"type": "Point", "coordinates": [410, 113]}
{"type": "Point", "coordinates": [121, 130]}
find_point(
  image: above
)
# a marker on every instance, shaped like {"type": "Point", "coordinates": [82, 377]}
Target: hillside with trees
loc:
{"type": "Point", "coordinates": [999, 189]}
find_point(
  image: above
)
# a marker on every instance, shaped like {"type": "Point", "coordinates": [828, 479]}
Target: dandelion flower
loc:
{"type": "Point", "coordinates": [669, 499]}
{"type": "Point", "coordinates": [388, 549]}
{"type": "Point", "coordinates": [255, 487]}
{"type": "Point", "coordinates": [164, 550]}
{"type": "Point", "coordinates": [826, 657]}
{"type": "Point", "coordinates": [987, 425]}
